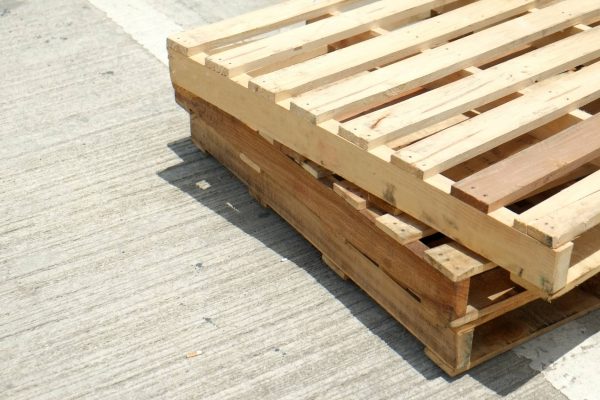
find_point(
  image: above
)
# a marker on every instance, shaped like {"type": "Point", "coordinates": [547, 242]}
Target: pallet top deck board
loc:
{"type": "Point", "coordinates": [342, 96]}
{"type": "Point", "coordinates": [338, 27]}
{"type": "Point", "coordinates": [360, 92]}
{"type": "Point", "coordinates": [386, 48]}
{"type": "Point", "coordinates": [567, 214]}
{"type": "Point", "coordinates": [545, 102]}
{"type": "Point", "coordinates": [480, 88]}
{"type": "Point", "coordinates": [508, 180]}
{"type": "Point", "coordinates": [235, 29]}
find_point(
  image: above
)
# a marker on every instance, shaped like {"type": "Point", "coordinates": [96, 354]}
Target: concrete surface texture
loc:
{"type": "Point", "coordinates": [122, 248]}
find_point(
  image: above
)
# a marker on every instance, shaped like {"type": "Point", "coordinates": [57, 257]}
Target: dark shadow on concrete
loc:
{"type": "Point", "coordinates": [503, 374]}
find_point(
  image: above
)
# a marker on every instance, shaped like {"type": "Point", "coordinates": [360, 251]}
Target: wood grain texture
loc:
{"type": "Point", "coordinates": [566, 215]}
{"type": "Point", "coordinates": [532, 168]}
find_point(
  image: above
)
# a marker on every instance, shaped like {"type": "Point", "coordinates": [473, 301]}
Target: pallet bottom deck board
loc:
{"type": "Point", "coordinates": [395, 276]}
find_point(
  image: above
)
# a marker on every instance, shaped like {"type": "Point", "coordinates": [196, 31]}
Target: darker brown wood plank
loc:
{"type": "Point", "coordinates": [524, 172]}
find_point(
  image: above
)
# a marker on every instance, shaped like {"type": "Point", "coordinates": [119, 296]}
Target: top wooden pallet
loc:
{"type": "Point", "coordinates": [478, 118]}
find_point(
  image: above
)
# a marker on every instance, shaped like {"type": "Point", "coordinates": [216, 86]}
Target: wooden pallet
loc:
{"type": "Point", "coordinates": [438, 107]}
{"type": "Point", "coordinates": [462, 311]}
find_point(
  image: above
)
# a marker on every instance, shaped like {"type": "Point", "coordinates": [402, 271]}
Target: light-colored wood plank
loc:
{"type": "Point", "coordinates": [251, 24]}
{"type": "Point", "coordinates": [478, 89]}
{"type": "Point", "coordinates": [566, 215]}
{"type": "Point", "coordinates": [305, 38]}
{"type": "Point", "coordinates": [532, 168]}
{"type": "Point", "coordinates": [423, 133]}
{"type": "Point", "coordinates": [585, 260]}
{"type": "Point", "coordinates": [457, 262]}
{"type": "Point", "coordinates": [315, 169]}
{"type": "Point", "coordinates": [403, 228]}
{"type": "Point", "coordinates": [360, 93]}
{"type": "Point", "coordinates": [389, 47]}
{"type": "Point", "coordinates": [544, 102]}
{"type": "Point", "coordinates": [351, 194]}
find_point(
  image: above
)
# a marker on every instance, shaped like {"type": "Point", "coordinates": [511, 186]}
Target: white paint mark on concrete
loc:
{"type": "Point", "coordinates": [570, 368]}
{"type": "Point", "coordinates": [147, 26]}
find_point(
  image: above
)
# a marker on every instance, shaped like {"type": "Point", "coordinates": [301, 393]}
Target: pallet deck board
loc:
{"type": "Point", "coordinates": [473, 91]}
{"type": "Point", "coordinates": [403, 228]}
{"type": "Point", "coordinates": [487, 121]}
{"type": "Point", "coordinates": [360, 92]}
{"type": "Point", "coordinates": [385, 48]}
{"type": "Point", "coordinates": [486, 86]}
{"type": "Point", "coordinates": [544, 102]}
{"type": "Point", "coordinates": [566, 215]}
{"type": "Point", "coordinates": [508, 180]}
{"type": "Point", "coordinates": [456, 262]}
{"type": "Point", "coordinates": [244, 26]}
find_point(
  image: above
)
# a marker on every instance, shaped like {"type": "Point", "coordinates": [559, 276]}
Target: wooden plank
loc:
{"type": "Point", "coordinates": [384, 49]}
{"type": "Point", "coordinates": [493, 238]}
{"type": "Point", "coordinates": [543, 102]}
{"type": "Point", "coordinates": [476, 317]}
{"type": "Point", "coordinates": [532, 168]}
{"type": "Point", "coordinates": [566, 215]}
{"type": "Point", "coordinates": [305, 38]}
{"type": "Point", "coordinates": [478, 89]}
{"type": "Point", "coordinates": [251, 24]}
{"type": "Point", "coordinates": [403, 228]}
{"type": "Point", "coordinates": [357, 94]}
{"type": "Point", "coordinates": [315, 169]}
{"type": "Point", "coordinates": [351, 194]}
{"type": "Point", "coordinates": [585, 260]}
{"type": "Point", "coordinates": [457, 262]}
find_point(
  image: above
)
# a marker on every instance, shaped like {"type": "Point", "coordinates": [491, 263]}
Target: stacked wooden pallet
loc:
{"type": "Point", "coordinates": [442, 154]}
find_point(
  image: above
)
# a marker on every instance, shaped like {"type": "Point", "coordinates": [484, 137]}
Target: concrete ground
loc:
{"type": "Point", "coordinates": [115, 263]}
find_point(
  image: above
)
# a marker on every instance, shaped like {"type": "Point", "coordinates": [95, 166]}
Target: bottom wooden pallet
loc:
{"type": "Point", "coordinates": [396, 276]}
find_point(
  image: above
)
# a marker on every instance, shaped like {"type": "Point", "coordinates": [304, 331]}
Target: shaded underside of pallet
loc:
{"type": "Point", "coordinates": [438, 107]}
{"type": "Point", "coordinates": [399, 277]}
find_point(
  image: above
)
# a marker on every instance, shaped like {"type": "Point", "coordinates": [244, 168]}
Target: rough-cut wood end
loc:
{"type": "Point", "coordinates": [470, 195]}
{"type": "Point", "coordinates": [403, 228]}
{"type": "Point", "coordinates": [315, 169]}
{"type": "Point", "coordinates": [303, 113]}
{"type": "Point", "coordinates": [351, 194]}
{"type": "Point", "coordinates": [350, 134]}
{"type": "Point", "coordinates": [399, 160]}
{"type": "Point", "coordinates": [214, 65]}
{"type": "Point", "coordinates": [457, 262]}
{"type": "Point", "coordinates": [181, 43]}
